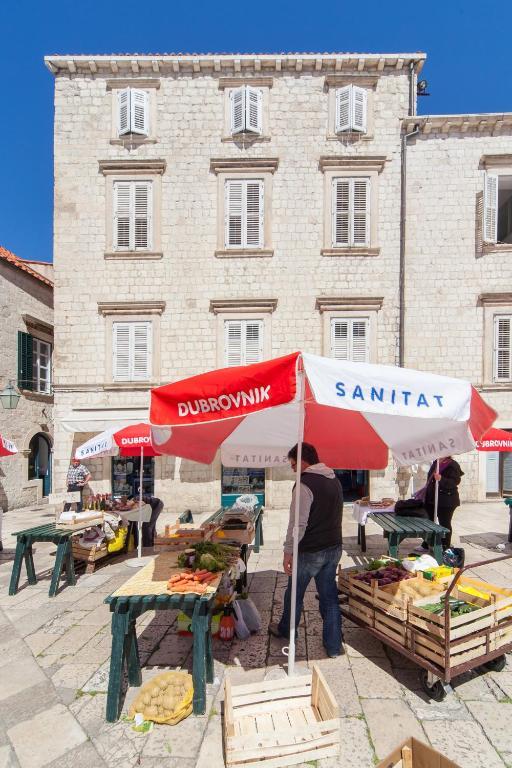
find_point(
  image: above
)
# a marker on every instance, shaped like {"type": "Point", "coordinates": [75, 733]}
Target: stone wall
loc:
{"type": "Point", "coordinates": [21, 294]}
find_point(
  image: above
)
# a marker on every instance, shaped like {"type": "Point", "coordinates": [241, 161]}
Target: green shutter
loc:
{"type": "Point", "coordinates": [25, 361]}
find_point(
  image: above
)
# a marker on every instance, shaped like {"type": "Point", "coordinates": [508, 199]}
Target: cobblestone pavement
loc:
{"type": "Point", "coordinates": [54, 657]}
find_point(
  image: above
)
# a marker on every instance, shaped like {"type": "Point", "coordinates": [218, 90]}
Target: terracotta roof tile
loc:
{"type": "Point", "coordinates": [17, 262]}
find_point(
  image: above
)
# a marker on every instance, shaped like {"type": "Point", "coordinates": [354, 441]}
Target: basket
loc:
{"type": "Point", "coordinates": [280, 722]}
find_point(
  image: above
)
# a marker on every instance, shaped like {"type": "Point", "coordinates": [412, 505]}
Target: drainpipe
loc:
{"type": "Point", "coordinates": [403, 210]}
{"type": "Point", "coordinates": [412, 88]}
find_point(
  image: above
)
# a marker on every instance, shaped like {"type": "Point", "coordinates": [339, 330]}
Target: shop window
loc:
{"type": "Point", "coordinates": [126, 476]}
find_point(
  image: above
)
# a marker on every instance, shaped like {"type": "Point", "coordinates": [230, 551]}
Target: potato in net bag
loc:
{"type": "Point", "coordinates": [166, 698]}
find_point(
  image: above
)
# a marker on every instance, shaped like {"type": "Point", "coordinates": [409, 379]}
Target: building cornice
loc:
{"type": "Point", "coordinates": [349, 303]}
{"type": "Point", "coordinates": [131, 307]}
{"type": "Point", "coordinates": [244, 164]}
{"type": "Point", "coordinates": [357, 162]}
{"type": "Point", "coordinates": [215, 63]}
{"type": "Point", "coordinates": [480, 123]}
{"type": "Point", "coordinates": [132, 166]}
{"type": "Point", "coordinates": [224, 306]}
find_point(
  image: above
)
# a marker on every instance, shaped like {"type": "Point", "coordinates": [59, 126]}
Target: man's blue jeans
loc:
{"type": "Point", "coordinates": [320, 566]}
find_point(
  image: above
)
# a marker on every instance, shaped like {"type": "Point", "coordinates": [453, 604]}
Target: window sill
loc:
{"type": "Point", "coordinates": [350, 251]}
{"type": "Point", "coordinates": [42, 397]}
{"type": "Point", "coordinates": [497, 248]}
{"type": "Point", "coordinates": [503, 386]}
{"type": "Point", "coordinates": [351, 136]}
{"type": "Point", "coordinates": [245, 138]}
{"type": "Point", "coordinates": [132, 141]}
{"type": "Point", "coordinates": [235, 253]}
{"type": "Point", "coordinates": [131, 255]}
{"type": "Point", "coordinates": [130, 385]}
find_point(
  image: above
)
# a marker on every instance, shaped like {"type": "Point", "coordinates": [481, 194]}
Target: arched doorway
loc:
{"type": "Point", "coordinates": [40, 461]}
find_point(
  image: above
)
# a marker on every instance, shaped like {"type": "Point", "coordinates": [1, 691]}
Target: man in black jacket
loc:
{"type": "Point", "coordinates": [320, 516]}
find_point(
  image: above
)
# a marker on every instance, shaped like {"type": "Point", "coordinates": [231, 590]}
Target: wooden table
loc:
{"type": "Point", "coordinates": [397, 528]}
{"type": "Point", "coordinates": [63, 560]}
{"type": "Point", "coordinates": [147, 591]}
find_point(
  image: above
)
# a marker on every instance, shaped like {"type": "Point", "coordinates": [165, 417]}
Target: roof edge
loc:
{"type": "Point", "coordinates": [15, 261]}
{"type": "Point", "coordinates": [481, 122]}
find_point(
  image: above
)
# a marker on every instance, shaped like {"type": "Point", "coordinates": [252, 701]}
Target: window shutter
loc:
{"type": "Point", "coordinates": [233, 206]}
{"type": "Point", "coordinates": [237, 98]}
{"type": "Point", "coordinates": [343, 109]}
{"type": "Point", "coordinates": [121, 351]}
{"type": "Point", "coordinates": [253, 109]}
{"type": "Point", "coordinates": [253, 341]}
{"type": "Point", "coordinates": [340, 212]}
{"type": "Point", "coordinates": [142, 344]}
{"type": "Point", "coordinates": [359, 341]}
{"type": "Point", "coordinates": [340, 348]}
{"type": "Point", "coordinates": [254, 215]}
{"type": "Point", "coordinates": [359, 99]}
{"type": "Point", "coordinates": [123, 108]}
{"type": "Point", "coordinates": [122, 211]}
{"type": "Point", "coordinates": [139, 112]}
{"type": "Point", "coordinates": [502, 344]}
{"type": "Point", "coordinates": [233, 343]}
{"type": "Point", "coordinates": [360, 211]}
{"type": "Point", "coordinates": [25, 361]}
{"type": "Point", "coordinates": [490, 208]}
{"type": "Point", "coordinates": [143, 209]}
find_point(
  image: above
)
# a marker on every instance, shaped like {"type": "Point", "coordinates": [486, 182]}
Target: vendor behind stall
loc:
{"type": "Point", "coordinates": [149, 529]}
{"type": "Point", "coordinates": [78, 475]}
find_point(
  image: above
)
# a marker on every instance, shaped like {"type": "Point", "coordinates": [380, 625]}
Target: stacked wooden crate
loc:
{"type": "Point", "coordinates": [181, 536]}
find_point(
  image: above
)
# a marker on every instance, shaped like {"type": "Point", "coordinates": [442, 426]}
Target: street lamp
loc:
{"type": "Point", "coordinates": [10, 396]}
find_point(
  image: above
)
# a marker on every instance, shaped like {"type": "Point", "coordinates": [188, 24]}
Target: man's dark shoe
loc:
{"type": "Point", "coordinates": [273, 629]}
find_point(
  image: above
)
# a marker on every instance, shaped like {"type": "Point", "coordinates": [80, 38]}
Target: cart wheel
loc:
{"type": "Point", "coordinates": [436, 691]}
{"type": "Point", "coordinates": [496, 665]}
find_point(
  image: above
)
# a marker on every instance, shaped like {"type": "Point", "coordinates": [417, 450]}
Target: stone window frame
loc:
{"type": "Point", "coordinates": [229, 84]}
{"type": "Point", "coordinates": [243, 309]}
{"type": "Point", "coordinates": [244, 168]}
{"type": "Point", "coordinates": [367, 307]}
{"type": "Point", "coordinates": [151, 85]}
{"type": "Point", "coordinates": [493, 304]}
{"type": "Point", "coordinates": [501, 165]}
{"type": "Point", "coordinates": [334, 81]}
{"type": "Point", "coordinates": [132, 311]}
{"type": "Point", "coordinates": [351, 167]}
{"type": "Point", "coordinates": [133, 170]}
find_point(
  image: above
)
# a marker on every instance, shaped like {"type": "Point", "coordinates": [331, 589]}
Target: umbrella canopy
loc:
{"type": "Point", "coordinates": [7, 447]}
{"type": "Point", "coordinates": [119, 441]}
{"type": "Point", "coordinates": [353, 414]}
{"type": "Point", "coordinates": [495, 440]}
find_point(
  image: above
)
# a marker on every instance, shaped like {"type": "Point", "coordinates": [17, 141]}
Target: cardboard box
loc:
{"type": "Point", "coordinates": [414, 754]}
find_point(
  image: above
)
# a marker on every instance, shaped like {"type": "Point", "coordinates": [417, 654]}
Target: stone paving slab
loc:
{"type": "Point", "coordinates": [45, 737]}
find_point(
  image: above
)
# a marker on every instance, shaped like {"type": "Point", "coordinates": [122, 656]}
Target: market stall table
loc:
{"type": "Point", "coordinates": [397, 528]}
{"type": "Point", "coordinates": [147, 591]}
{"type": "Point", "coordinates": [64, 557]}
{"type": "Point", "coordinates": [360, 513]}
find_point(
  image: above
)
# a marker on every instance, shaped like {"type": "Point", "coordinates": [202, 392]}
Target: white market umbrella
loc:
{"type": "Point", "coordinates": [353, 413]}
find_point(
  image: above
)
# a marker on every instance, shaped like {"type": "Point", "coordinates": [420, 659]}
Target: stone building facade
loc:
{"type": "Point", "coordinates": [26, 341]}
{"type": "Point", "coordinates": [214, 210]}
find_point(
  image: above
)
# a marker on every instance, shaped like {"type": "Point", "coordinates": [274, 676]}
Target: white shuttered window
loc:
{"type": "Point", "coordinates": [350, 339]}
{"type": "Point", "coordinates": [246, 109]}
{"type": "Point", "coordinates": [244, 213]}
{"type": "Point", "coordinates": [502, 348]}
{"type": "Point", "coordinates": [490, 208]}
{"type": "Point", "coordinates": [351, 109]}
{"type": "Point", "coordinates": [243, 342]}
{"type": "Point", "coordinates": [133, 207]}
{"type": "Point", "coordinates": [133, 112]}
{"type": "Point", "coordinates": [131, 351]}
{"type": "Point", "coordinates": [350, 212]}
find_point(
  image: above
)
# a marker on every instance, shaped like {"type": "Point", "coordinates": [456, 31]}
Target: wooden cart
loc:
{"type": "Point", "coordinates": [444, 647]}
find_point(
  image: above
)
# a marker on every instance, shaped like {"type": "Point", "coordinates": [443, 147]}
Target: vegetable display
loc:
{"type": "Point", "coordinates": [191, 581]}
{"type": "Point", "coordinates": [457, 607]}
{"type": "Point", "coordinates": [390, 574]}
{"type": "Point", "coordinates": [167, 698]}
{"type": "Point", "coordinates": [210, 556]}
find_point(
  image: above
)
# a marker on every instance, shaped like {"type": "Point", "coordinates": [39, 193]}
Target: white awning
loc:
{"type": "Point", "coordinates": [99, 419]}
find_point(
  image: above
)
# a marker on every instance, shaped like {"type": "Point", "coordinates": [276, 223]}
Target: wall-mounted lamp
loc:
{"type": "Point", "coordinates": [10, 396]}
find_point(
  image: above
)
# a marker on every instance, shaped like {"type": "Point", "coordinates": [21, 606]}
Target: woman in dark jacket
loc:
{"type": "Point", "coordinates": [448, 500]}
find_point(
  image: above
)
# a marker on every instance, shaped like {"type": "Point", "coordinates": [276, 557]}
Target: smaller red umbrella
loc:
{"type": "Point", "coordinates": [495, 440]}
{"type": "Point", "coordinates": [7, 447]}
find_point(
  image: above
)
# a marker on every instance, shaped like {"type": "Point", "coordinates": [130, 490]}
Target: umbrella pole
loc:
{"type": "Point", "coordinates": [436, 493]}
{"type": "Point", "coordinates": [139, 524]}
{"type": "Point", "coordinates": [293, 601]}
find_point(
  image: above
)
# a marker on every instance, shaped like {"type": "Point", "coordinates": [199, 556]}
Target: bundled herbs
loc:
{"type": "Point", "coordinates": [209, 556]}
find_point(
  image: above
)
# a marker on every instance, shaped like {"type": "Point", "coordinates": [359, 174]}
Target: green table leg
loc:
{"type": "Point", "coordinates": [70, 566]}
{"type": "Point", "coordinates": [199, 628]}
{"type": "Point", "coordinates": [29, 563]}
{"type": "Point", "coordinates": [60, 558]}
{"type": "Point", "coordinates": [209, 654]}
{"type": "Point", "coordinates": [258, 538]}
{"type": "Point", "coordinates": [119, 630]}
{"type": "Point", "coordinates": [132, 654]}
{"type": "Point", "coordinates": [393, 543]}
{"type": "Point", "coordinates": [436, 542]}
{"type": "Point", "coordinates": [16, 567]}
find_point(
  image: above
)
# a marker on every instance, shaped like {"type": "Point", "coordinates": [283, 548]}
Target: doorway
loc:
{"type": "Point", "coordinates": [40, 461]}
{"type": "Point", "coordinates": [237, 481]}
{"type": "Point", "coordinates": [354, 483]}
{"type": "Point", "coordinates": [126, 476]}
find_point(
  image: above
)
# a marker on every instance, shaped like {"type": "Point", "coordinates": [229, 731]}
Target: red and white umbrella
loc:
{"type": "Point", "coordinates": [7, 447]}
{"type": "Point", "coordinates": [353, 413]}
{"type": "Point", "coordinates": [495, 440]}
{"type": "Point", "coordinates": [130, 440]}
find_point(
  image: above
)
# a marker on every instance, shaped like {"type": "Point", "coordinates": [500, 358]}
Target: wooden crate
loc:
{"type": "Point", "coordinates": [79, 523]}
{"type": "Point", "coordinates": [180, 536]}
{"type": "Point", "coordinates": [89, 556]}
{"type": "Point", "coordinates": [280, 722]}
{"type": "Point", "coordinates": [242, 534]}
{"type": "Point", "coordinates": [414, 754]}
